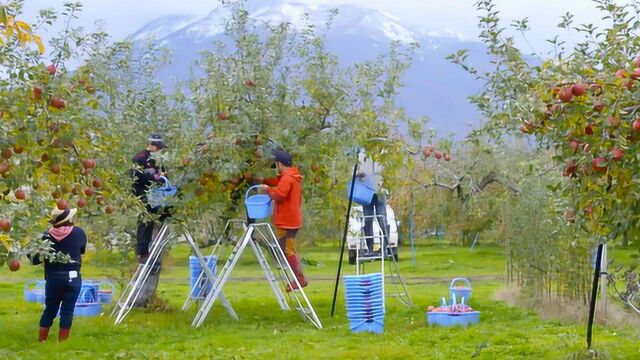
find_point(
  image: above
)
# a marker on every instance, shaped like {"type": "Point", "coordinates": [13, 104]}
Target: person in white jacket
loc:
{"type": "Point", "coordinates": [370, 173]}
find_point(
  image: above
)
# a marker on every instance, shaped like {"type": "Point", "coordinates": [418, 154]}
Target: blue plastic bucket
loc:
{"type": "Point", "coordinates": [362, 192]}
{"type": "Point", "coordinates": [460, 291]}
{"type": "Point", "coordinates": [89, 291]}
{"type": "Point", "coordinates": [87, 309]}
{"type": "Point", "coordinates": [258, 206]}
{"type": "Point", "coordinates": [34, 291]}
{"type": "Point", "coordinates": [106, 295]}
{"type": "Point", "coordinates": [195, 270]}
{"type": "Point", "coordinates": [370, 325]}
{"type": "Point", "coordinates": [453, 319]}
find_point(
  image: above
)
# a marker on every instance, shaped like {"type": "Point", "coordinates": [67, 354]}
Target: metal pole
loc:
{"type": "Point", "coordinates": [594, 295]}
{"type": "Point", "coordinates": [603, 281]}
{"type": "Point", "coordinates": [344, 237]}
{"type": "Point", "coordinates": [411, 226]}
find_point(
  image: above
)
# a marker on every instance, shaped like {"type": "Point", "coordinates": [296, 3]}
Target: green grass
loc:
{"type": "Point", "coordinates": [264, 331]}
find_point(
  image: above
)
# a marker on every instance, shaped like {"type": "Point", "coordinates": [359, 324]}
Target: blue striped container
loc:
{"type": "Point", "coordinates": [196, 270]}
{"type": "Point", "coordinates": [365, 302]}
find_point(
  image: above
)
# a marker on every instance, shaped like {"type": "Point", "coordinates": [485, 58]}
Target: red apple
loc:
{"type": "Point", "coordinates": [55, 168]}
{"type": "Point", "coordinates": [5, 225]}
{"type": "Point", "coordinates": [239, 141]}
{"type": "Point", "coordinates": [249, 83]}
{"type": "Point", "coordinates": [579, 89]}
{"type": "Point", "coordinates": [316, 179]}
{"type": "Point", "coordinates": [18, 149]}
{"type": "Point", "coordinates": [620, 74]}
{"type": "Point", "coordinates": [89, 163]}
{"type": "Point", "coordinates": [62, 204]}
{"type": "Point", "coordinates": [636, 61]}
{"type": "Point", "coordinates": [426, 152]}
{"type": "Point", "coordinates": [599, 165]}
{"type": "Point", "coordinates": [7, 153]}
{"type": "Point", "coordinates": [4, 167]}
{"type": "Point", "coordinates": [628, 84]}
{"type": "Point", "coordinates": [598, 106]}
{"type": "Point", "coordinates": [574, 144]}
{"type": "Point", "coordinates": [82, 203]}
{"type": "Point", "coordinates": [51, 69]}
{"type": "Point", "coordinates": [617, 154]}
{"type": "Point", "coordinates": [57, 102]}
{"type": "Point", "coordinates": [636, 125]}
{"type": "Point", "coordinates": [14, 265]}
{"type": "Point", "coordinates": [438, 155]}
{"type": "Point", "coordinates": [257, 141]}
{"type": "Point", "coordinates": [565, 94]}
{"type": "Point", "coordinates": [109, 209]}
{"type": "Point", "coordinates": [447, 157]}
{"type": "Point", "coordinates": [248, 176]}
{"type": "Point", "coordinates": [97, 183]}
{"type": "Point", "coordinates": [588, 130]}
{"type": "Point", "coordinates": [37, 93]}
{"type": "Point", "coordinates": [20, 195]}
{"type": "Point", "coordinates": [635, 74]}
{"type": "Point", "coordinates": [223, 115]}
{"type": "Point", "coordinates": [235, 180]}
{"type": "Point", "coordinates": [56, 194]}
{"type": "Point", "coordinates": [88, 191]}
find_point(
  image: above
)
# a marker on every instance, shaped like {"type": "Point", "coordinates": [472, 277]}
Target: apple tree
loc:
{"type": "Point", "coordinates": [580, 105]}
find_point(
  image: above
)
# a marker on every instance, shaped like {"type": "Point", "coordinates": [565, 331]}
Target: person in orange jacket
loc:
{"type": "Point", "coordinates": [286, 191]}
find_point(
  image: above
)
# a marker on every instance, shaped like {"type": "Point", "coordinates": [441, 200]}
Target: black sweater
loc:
{"type": "Point", "coordinates": [73, 245]}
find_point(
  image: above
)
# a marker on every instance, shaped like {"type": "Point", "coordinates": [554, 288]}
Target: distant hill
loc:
{"type": "Point", "coordinates": [433, 86]}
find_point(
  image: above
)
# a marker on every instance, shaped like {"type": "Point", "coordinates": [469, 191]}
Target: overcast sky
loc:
{"type": "Point", "coordinates": [123, 17]}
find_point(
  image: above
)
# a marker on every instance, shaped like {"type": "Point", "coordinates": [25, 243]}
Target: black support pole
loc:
{"type": "Point", "coordinates": [344, 237]}
{"type": "Point", "coordinates": [594, 295]}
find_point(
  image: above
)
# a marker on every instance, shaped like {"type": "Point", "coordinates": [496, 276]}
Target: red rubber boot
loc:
{"type": "Point", "coordinates": [296, 266]}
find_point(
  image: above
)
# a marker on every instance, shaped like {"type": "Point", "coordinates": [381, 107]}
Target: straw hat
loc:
{"type": "Point", "coordinates": [61, 216]}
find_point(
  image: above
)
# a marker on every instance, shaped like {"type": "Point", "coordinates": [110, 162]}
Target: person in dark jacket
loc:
{"type": "Point", "coordinates": [63, 279]}
{"type": "Point", "coordinates": [146, 175]}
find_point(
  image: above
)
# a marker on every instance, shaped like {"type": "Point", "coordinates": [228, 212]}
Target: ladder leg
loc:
{"type": "Point", "coordinates": [142, 275]}
{"type": "Point", "coordinates": [304, 307]}
{"type": "Point", "coordinates": [264, 264]}
{"type": "Point", "coordinates": [221, 279]}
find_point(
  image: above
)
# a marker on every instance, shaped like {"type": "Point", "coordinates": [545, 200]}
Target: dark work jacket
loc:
{"type": "Point", "coordinates": [143, 177]}
{"type": "Point", "coordinates": [73, 245]}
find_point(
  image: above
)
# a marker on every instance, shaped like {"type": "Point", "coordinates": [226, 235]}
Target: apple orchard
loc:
{"type": "Point", "coordinates": [69, 133]}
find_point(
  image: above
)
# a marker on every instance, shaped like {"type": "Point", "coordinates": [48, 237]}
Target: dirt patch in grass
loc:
{"type": "Point", "coordinates": [556, 308]}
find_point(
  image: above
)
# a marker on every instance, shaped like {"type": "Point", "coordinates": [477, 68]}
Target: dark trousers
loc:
{"type": "Point", "coordinates": [61, 293]}
{"type": "Point", "coordinates": [378, 208]}
{"type": "Point", "coordinates": [144, 235]}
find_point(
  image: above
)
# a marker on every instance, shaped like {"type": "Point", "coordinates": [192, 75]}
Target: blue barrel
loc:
{"type": "Point", "coordinates": [195, 271]}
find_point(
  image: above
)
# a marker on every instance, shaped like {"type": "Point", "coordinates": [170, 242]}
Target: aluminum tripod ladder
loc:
{"type": "Point", "coordinates": [395, 287]}
{"type": "Point", "coordinates": [134, 288]}
{"type": "Point", "coordinates": [257, 235]}
{"type": "Point", "coordinates": [230, 236]}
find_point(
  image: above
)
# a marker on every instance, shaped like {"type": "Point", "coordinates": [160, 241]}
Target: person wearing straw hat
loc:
{"type": "Point", "coordinates": [63, 279]}
{"type": "Point", "coordinates": [286, 191]}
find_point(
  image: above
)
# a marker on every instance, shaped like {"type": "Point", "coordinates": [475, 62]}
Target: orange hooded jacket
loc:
{"type": "Point", "coordinates": [287, 194]}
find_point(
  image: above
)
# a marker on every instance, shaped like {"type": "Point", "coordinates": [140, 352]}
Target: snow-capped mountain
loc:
{"type": "Point", "coordinates": [433, 86]}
